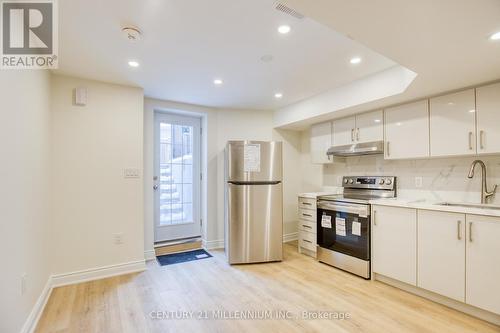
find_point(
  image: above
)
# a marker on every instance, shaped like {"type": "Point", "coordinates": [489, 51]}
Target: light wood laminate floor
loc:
{"type": "Point", "coordinates": [299, 283]}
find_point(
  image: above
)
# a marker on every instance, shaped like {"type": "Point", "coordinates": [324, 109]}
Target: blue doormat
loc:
{"type": "Point", "coordinates": [176, 258]}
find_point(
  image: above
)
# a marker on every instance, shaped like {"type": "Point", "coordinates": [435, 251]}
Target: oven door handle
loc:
{"type": "Point", "coordinates": [360, 210]}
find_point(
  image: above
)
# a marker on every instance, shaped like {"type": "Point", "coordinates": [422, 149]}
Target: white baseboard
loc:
{"type": "Point", "coordinates": [290, 237]}
{"type": "Point", "coordinates": [149, 255]}
{"type": "Point", "coordinates": [98, 273]}
{"type": "Point", "coordinates": [35, 314]}
{"type": "Point", "coordinates": [59, 280]}
{"type": "Point", "coordinates": [219, 243]}
{"type": "Point", "coordinates": [212, 245]}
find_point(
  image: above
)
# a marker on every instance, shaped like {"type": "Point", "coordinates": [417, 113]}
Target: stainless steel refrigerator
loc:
{"type": "Point", "coordinates": [253, 201]}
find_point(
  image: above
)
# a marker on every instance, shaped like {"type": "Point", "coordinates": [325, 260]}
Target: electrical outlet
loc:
{"type": "Point", "coordinates": [118, 238]}
{"type": "Point", "coordinates": [24, 286]}
{"type": "Point", "coordinates": [131, 173]}
{"type": "Point", "coordinates": [418, 182]}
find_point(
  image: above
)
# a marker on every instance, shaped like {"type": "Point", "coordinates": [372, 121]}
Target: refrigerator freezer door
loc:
{"type": "Point", "coordinates": [254, 161]}
{"type": "Point", "coordinates": [255, 223]}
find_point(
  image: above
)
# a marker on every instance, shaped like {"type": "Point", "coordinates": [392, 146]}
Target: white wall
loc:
{"type": "Point", "coordinates": [223, 125]}
{"type": "Point", "coordinates": [24, 192]}
{"type": "Point", "coordinates": [444, 179]}
{"type": "Point", "coordinates": [91, 147]}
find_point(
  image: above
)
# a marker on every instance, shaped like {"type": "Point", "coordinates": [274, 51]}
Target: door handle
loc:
{"type": "Point", "coordinates": [374, 217]}
{"type": "Point", "coordinates": [481, 139]}
{"type": "Point", "coordinates": [459, 234]}
{"type": "Point", "coordinates": [352, 134]}
{"type": "Point", "coordinates": [155, 187]}
{"type": "Point", "coordinates": [388, 150]}
{"type": "Point", "coordinates": [470, 141]}
{"type": "Point", "coordinates": [357, 134]}
{"type": "Point", "coordinates": [307, 226]}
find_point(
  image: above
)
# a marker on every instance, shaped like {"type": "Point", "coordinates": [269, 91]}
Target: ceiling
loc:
{"type": "Point", "coordinates": [186, 44]}
{"type": "Point", "coordinates": [445, 42]}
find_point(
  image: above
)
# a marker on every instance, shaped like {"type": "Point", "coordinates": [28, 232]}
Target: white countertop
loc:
{"type": "Point", "coordinates": [429, 205]}
{"type": "Point", "coordinates": [314, 195]}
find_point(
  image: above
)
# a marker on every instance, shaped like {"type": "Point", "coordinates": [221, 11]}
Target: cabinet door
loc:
{"type": "Point", "coordinates": [343, 131]}
{"type": "Point", "coordinates": [488, 119]}
{"type": "Point", "coordinates": [407, 131]}
{"type": "Point", "coordinates": [483, 263]}
{"type": "Point", "coordinates": [453, 124]}
{"type": "Point", "coordinates": [441, 253]}
{"type": "Point", "coordinates": [369, 126]}
{"type": "Point", "coordinates": [321, 140]}
{"type": "Point", "coordinates": [394, 243]}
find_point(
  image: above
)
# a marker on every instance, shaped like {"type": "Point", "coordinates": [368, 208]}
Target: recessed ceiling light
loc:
{"type": "Point", "coordinates": [133, 63]}
{"type": "Point", "coordinates": [377, 120]}
{"type": "Point", "coordinates": [472, 111]}
{"type": "Point", "coordinates": [355, 60]}
{"type": "Point", "coordinates": [495, 36]}
{"type": "Point", "coordinates": [218, 82]}
{"type": "Point", "coordinates": [284, 29]}
{"type": "Point", "coordinates": [278, 95]}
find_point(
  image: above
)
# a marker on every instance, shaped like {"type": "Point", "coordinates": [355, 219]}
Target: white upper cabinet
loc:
{"type": "Point", "coordinates": [407, 131]}
{"type": "Point", "coordinates": [344, 131]}
{"type": "Point", "coordinates": [488, 119]}
{"type": "Point", "coordinates": [320, 141]}
{"type": "Point", "coordinates": [441, 248]}
{"type": "Point", "coordinates": [370, 126]}
{"type": "Point", "coordinates": [453, 124]}
{"type": "Point", "coordinates": [482, 263]}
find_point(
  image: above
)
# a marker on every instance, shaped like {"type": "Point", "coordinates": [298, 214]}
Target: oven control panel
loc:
{"type": "Point", "coordinates": [370, 182]}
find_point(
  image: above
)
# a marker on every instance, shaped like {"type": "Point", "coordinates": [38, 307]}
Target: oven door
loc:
{"type": "Point", "coordinates": [344, 227]}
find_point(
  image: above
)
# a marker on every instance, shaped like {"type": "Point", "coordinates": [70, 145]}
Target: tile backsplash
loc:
{"type": "Point", "coordinates": [443, 179]}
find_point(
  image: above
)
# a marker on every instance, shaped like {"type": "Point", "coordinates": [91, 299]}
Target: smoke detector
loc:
{"type": "Point", "coordinates": [132, 33]}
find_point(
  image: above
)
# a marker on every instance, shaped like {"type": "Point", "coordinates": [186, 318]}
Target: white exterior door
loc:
{"type": "Point", "coordinates": [177, 177]}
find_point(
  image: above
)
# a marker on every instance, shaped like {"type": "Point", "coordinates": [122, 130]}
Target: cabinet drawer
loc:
{"type": "Point", "coordinates": [307, 226]}
{"type": "Point", "coordinates": [307, 240]}
{"type": "Point", "coordinates": [307, 203]}
{"type": "Point", "coordinates": [307, 214]}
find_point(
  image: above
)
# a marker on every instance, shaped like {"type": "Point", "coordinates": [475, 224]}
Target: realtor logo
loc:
{"type": "Point", "coordinates": [29, 34]}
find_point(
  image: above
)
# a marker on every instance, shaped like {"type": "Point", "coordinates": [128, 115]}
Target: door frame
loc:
{"type": "Point", "coordinates": [179, 116]}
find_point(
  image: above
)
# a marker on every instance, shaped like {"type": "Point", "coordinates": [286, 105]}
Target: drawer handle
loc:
{"type": "Point", "coordinates": [307, 241]}
{"type": "Point", "coordinates": [470, 232]}
{"type": "Point", "coordinates": [307, 226]}
{"type": "Point", "coordinates": [309, 215]}
{"type": "Point", "coordinates": [307, 203]}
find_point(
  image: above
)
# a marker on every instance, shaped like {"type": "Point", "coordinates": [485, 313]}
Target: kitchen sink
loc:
{"type": "Point", "coordinates": [467, 205]}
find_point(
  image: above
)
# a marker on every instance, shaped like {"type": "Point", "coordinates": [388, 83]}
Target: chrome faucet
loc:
{"type": "Point", "coordinates": [484, 188]}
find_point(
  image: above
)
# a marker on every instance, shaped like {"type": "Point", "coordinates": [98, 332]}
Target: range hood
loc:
{"type": "Point", "coordinates": [357, 149]}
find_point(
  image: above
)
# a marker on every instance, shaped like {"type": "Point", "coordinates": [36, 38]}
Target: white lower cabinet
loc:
{"type": "Point", "coordinates": [394, 238]}
{"type": "Point", "coordinates": [483, 262]}
{"type": "Point", "coordinates": [458, 254]}
{"type": "Point", "coordinates": [441, 249]}
{"type": "Point", "coordinates": [307, 226]}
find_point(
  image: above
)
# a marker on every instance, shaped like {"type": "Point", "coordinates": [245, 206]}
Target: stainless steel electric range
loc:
{"type": "Point", "coordinates": [344, 222]}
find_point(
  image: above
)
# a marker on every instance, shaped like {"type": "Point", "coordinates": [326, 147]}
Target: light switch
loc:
{"type": "Point", "coordinates": [131, 173]}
